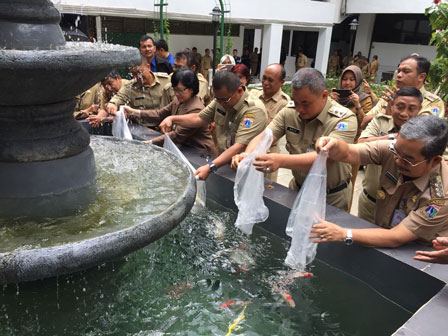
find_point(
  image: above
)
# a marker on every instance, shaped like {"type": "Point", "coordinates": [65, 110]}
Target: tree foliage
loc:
{"type": "Point", "coordinates": [438, 18]}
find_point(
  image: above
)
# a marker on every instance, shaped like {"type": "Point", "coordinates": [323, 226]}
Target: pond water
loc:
{"type": "Point", "coordinates": [204, 278]}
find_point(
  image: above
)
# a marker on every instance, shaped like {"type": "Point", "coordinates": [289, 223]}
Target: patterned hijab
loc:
{"type": "Point", "coordinates": [358, 78]}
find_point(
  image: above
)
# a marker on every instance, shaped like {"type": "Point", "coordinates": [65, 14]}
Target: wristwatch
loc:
{"type": "Point", "coordinates": [391, 136]}
{"type": "Point", "coordinates": [212, 166]}
{"type": "Point", "coordinates": [349, 239]}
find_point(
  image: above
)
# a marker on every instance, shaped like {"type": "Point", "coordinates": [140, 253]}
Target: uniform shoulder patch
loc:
{"type": "Point", "coordinates": [291, 104]}
{"type": "Point", "coordinates": [341, 126]}
{"type": "Point", "coordinates": [247, 121]}
{"type": "Point", "coordinates": [430, 211]}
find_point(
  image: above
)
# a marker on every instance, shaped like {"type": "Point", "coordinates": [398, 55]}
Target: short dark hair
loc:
{"type": "Point", "coordinates": [194, 48]}
{"type": "Point", "coordinates": [207, 49]}
{"type": "Point", "coordinates": [187, 77]}
{"type": "Point", "coordinates": [113, 74]}
{"type": "Point", "coordinates": [144, 38]}
{"type": "Point", "coordinates": [235, 50]}
{"type": "Point", "coordinates": [243, 70]}
{"type": "Point", "coordinates": [423, 65]}
{"type": "Point", "coordinates": [191, 60]}
{"type": "Point", "coordinates": [309, 78]}
{"type": "Point", "coordinates": [409, 91]}
{"type": "Point", "coordinates": [430, 130]}
{"type": "Point", "coordinates": [375, 57]}
{"type": "Point", "coordinates": [161, 44]}
{"type": "Point", "coordinates": [226, 79]}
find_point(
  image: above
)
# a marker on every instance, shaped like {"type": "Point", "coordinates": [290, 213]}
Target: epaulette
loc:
{"type": "Point", "coordinates": [161, 74]}
{"type": "Point", "coordinates": [436, 186]}
{"type": "Point", "coordinates": [291, 104]}
{"type": "Point", "coordinates": [431, 96]}
{"type": "Point", "coordinates": [288, 98]}
{"type": "Point", "coordinates": [337, 111]}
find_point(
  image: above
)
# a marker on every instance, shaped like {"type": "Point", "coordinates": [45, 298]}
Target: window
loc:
{"type": "Point", "coordinates": [402, 28]}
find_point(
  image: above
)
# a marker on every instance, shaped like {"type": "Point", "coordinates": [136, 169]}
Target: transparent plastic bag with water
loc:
{"type": "Point", "coordinates": [249, 188]}
{"type": "Point", "coordinates": [308, 209]}
{"type": "Point", "coordinates": [120, 127]}
{"type": "Point", "coordinates": [201, 193]}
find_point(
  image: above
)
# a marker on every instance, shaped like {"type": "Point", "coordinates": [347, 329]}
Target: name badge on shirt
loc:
{"type": "Point", "coordinates": [221, 112]}
{"type": "Point", "coordinates": [139, 98]}
{"type": "Point", "coordinates": [399, 215]}
{"type": "Point", "coordinates": [292, 129]}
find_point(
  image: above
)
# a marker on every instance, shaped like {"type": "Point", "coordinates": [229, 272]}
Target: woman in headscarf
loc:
{"type": "Point", "coordinates": [358, 102]}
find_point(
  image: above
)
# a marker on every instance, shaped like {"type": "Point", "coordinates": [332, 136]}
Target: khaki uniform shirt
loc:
{"type": "Point", "coordinates": [432, 104]}
{"type": "Point", "coordinates": [381, 125]}
{"type": "Point", "coordinates": [334, 120]}
{"type": "Point", "coordinates": [374, 68]}
{"type": "Point", "coordinates": [88, 98]}
{"type": "Point", "coordinates": [206, 63]}
{"type": "Point", "coordinates": [422, 202]}
{"type": "Point", "coordinates": [143, 97]}
{"type": "Point", "coordinates": [273, 105]}
{"type": "Point", "coordinates": [105, 98]}
{"type": "Point", "coordinates": [333, 63]}
{"type": "Point", "coordinates": [240, 124]}
{"type": "Point", "coordinates": [203, 94]}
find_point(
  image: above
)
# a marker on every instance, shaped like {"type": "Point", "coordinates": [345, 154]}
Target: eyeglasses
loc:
{"type": "Point", "coordinates": [179, 90]}
{"type": "Point", "coordinates": [397, 155]}
{"type": "Point", "coordinates": [223, 100]}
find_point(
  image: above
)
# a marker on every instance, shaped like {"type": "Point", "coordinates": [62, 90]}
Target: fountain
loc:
{"type": "Point", "coordinates": [47, 168]}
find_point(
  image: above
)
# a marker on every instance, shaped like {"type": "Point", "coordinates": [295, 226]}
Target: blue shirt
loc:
{"type": "Point", "coordinates": [170, 59]}
{"type": "Point", "coordinates": [153, 64]}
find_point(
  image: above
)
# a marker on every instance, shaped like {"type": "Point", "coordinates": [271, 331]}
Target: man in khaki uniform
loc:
{"type": "Point", "coordinates": [206, 63]}
{"type": "Point", "coordinates": [198, 57]}
{"type": "Point", "coordinates": [412, 71]}
{"type": "Point", "coordinates": [254, 62]}
{"type": "Point", "coordinates": [406, 104]}
{"type": "Point", "coordinates": [373, 68]}
{"type": "Point", "coordinates": [301, 60]}
{"type": "Point", "coordinates": [111, 84]}
{"type": "Point", "coordinates": [414, 185]}
{"type": "Point", "coordinates": [87, 103]}
{"type": "Point", "coordinates": [186, 59]}
{"type": "Point", "coordinates": [238, 118]}
{"type": "Point", "coordinates": [310, 115]}
{"type": "Point", "coordinates": [145, 93]}
{"type": "Point", "coordinates": [273, 98]}
{"type": "Point", "coordinates": [333, 64]}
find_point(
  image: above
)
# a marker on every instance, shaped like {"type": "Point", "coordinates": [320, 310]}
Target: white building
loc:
{"type": "Point", "coordinates": [316, 26]}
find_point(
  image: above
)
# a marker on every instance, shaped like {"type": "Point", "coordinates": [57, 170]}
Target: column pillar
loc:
{"type": "Point", "coordinates": [364, 34]}
{"type": "Point", "coordinates": [98, 29]}
{"type": "Point", "coordinates": [323, 49]}
{"type": "Point", "coordinates": [272, 44]}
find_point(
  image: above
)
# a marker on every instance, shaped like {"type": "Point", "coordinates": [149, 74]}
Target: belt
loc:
{"type": "Point", "coordinates": [333, 190]}
{"type": "Point", "coordinates": [339, 187]}
{"type": "Point", "coordinates": [373, 199]}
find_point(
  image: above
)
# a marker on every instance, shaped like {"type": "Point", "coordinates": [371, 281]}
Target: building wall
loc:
{"type": "Point", "coordinates": [260, 11]}
{"type": "Point", "coordinates": [387, 6]}
{"type": "Point", "coordinates": [390, 54]}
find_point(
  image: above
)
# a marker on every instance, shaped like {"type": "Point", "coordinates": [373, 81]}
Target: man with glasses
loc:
{"type": "Point", "coordinates": [238, 118]}
{"type": "Point", "coordinates": [413, 202]}
{"type": "Point", "coordinates": [406, 104]}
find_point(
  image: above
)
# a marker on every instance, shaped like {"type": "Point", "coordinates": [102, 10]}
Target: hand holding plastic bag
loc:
{"type": "Point", "coordinates": [120, 127]}
{"type": "Point", "coordinates": [249, 188]}
{"type": "Point", "coordinates": [308, 209]}
{"type": "Point", "coordinates": [169, 145]}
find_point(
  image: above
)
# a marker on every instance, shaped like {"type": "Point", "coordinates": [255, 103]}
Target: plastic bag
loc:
{"type": "Point", "coordinates": [120, 127]}
{"type": "Point", "coordinates": [201, 193]}
{"type": "Point", "coordinates": [249, 188]}
{"type": "Point", "coordinates": [308, 209]}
